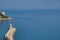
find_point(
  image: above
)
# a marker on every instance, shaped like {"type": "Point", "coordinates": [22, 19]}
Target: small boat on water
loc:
{"type": "Point", "coordinates": [10, 34]}
{"type": "Point", "coordinates": [3, 17]}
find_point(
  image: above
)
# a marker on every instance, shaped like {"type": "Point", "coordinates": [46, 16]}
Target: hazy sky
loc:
{"type": "Point", "coordinates": [30, 4]}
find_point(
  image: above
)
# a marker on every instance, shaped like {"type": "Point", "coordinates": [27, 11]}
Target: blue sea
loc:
{"type": "Point", "coordinates": [33, 24]}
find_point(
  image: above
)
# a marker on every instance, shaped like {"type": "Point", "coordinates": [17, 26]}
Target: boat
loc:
{"type": "Point", "coordinates": [10, 34]}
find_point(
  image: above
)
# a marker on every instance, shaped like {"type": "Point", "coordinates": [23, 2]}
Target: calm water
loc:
{"type": "Point", "coordinates": [33, 24]}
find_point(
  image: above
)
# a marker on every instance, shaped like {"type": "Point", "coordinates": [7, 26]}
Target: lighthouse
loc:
{"type": "Point", "coordinates": [2, 13]}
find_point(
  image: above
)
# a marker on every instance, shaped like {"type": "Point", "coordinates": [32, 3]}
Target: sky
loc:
{"type": "Point", "coordinates": [29, 4]}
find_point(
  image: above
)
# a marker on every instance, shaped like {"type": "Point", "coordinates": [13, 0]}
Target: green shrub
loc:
{"type": "Point", "coordinates": [5, 17]}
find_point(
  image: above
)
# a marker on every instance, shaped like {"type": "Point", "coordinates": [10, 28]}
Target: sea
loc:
{"type": "Point", "coordinates": [33, 24]}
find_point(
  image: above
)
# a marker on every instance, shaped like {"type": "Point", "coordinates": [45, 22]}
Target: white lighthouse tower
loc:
{"type": "Point", "coordinates": [3, 13]}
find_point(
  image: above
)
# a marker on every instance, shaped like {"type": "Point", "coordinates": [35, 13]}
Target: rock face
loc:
{"type": "Point", "coordinates": [10, 34]}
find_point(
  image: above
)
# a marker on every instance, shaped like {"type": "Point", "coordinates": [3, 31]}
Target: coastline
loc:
{"type": "Point", "coordinates": [4, 19]}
